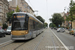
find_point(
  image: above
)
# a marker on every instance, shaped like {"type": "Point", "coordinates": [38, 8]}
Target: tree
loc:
{"type": "Point", "coordinates": [17, 9]}
{"type": "Point", "coordinates": [40, 18]}
{"type": "Point", "coordinates": [9, 16]}
{"type": "Point", "coordinates": [45, 25]}
{"type": "Point", "coordinates": [52, 25]}
{"type": "Point", "coordinates": [71, 16]}
{"type": "Point", "coordinates": [57, 19]}
{"type": "Point", "coordinates": [5, 26]}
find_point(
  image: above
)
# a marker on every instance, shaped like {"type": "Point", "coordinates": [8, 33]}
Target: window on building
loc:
{"type": "Point", "coordinates": [0, 16]}
{"type": "Point", "coordinates": [13, 10]}
{"type": "Point", "coordinates": [5, 15]}
{"type": "Point", "coordinates": [28, 7]}
{"type": "Point", "coordinates": [0, 20]}
{"type": "Point", "coordinates": [24, 5]}
{"type": "Point", "coordinates": [0, 6]}
{"type": "Point", "coordinates": [0, 10]}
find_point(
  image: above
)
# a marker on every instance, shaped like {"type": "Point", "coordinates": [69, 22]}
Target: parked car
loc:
{"type": "Point", "coordinates": [55, 28]}
{"type": "Point", "coordinates": [2, 33]}
{"type": "Point", "coordinates": [72, 31]}
{"type": "Point", "coordinates": [60, 30]}
{"type": "Point", "coordinates": [8, 31]}
{"type": "Point", "coordinates": [51, 27]}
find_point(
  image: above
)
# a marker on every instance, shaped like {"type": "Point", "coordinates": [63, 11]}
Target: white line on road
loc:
{"type": "Point", "coordinates": [60, 41]}
{"type": "Point", "coordinates": [6, 42]}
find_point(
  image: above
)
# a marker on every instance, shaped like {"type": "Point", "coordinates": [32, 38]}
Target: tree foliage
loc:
{"type": "Point", "coordinates": [9, 15]}
{"type": "Point", "coordinates": [45, 24]}
{"type": "Point", "coordinates": [52, 25]}
{"type": "Point", "coordinates": [4, 26]}
{"type": "Point", "coordinates": [71, 15]}
{"type": "Point", "coordinates": [57, 19]}
{"type": "Point", "coordinates": [40, 18]}
{"type": "Point", "coordinates": [17, 9]}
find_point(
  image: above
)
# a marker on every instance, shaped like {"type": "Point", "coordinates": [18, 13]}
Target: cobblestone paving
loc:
{"type": "Point", "coordinates": [45, 41]}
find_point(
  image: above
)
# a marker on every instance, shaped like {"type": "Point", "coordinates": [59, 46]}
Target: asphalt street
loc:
{"type": "Point", "coordinates": [5, 39]}
{"type": "Point", "coordinates": [66, 38]}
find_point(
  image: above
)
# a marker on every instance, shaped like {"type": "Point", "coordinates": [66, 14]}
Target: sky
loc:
{"type": "Point", "coordinates": [46, 8]}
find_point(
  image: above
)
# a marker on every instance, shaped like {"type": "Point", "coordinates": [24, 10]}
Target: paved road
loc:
{"type": "Point", "coordinates": [45, 41]}
{"type": "Point", "coordinates": [5, 39]}
{"type": "Point", "coordinates": [66, 38]}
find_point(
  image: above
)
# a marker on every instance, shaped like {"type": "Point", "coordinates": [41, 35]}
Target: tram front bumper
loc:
{"type": "Point", "coordinates": [21, 37]}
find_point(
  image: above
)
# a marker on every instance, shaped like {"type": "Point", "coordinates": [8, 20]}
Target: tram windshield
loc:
{"type": "Point", "coordinates": [19, 22]}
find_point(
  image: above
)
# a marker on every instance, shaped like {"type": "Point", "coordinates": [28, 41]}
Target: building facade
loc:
{"type": "Point", "coordinates": [65, 23]}
{"type": "Point", "coordinates": [22, 4]}
{"type": "Point", "coordinates": [73, 23]}
{"type": "Point", "coordinates": [4, 5]}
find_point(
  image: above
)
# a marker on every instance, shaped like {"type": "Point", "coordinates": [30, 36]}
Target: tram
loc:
{"type": "Point", "coordinates": [25, 26]}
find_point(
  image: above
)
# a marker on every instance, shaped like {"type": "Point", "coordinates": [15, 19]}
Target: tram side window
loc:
{"type": "Point", "coordinates": [34, 23]}
{"type": "Point", "coordinates": [37, 25]}
{"type": "Point", "coordinates": [26, 23]}
{"type": "Point", "coordinates": [31, 24]}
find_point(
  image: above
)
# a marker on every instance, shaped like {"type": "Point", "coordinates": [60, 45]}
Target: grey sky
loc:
{"type": "Point", "coordinates": [47, 7]}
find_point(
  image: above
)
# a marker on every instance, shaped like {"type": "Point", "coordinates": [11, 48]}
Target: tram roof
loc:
{"type": "Point", "coordinates": [28, 14]}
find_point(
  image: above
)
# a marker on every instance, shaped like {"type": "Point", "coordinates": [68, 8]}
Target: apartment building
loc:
{"type": "Point", "coordinates": [73, 23]}
{"type": "Point", "coordinates": [22, 4]}
{"type": "Point", "coordinates": [65, 23]}
{"type": "Point", "coordinates": [4, 5]}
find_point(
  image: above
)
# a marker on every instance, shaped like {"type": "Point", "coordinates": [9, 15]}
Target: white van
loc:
{"type": "Point", "coordinates": [8, 31]}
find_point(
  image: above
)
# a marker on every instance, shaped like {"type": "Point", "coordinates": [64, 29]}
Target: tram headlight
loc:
{"type": "Point", "coordinates": [26, 32]}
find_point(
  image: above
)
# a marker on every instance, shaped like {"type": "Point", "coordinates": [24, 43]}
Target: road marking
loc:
{"type": "Point", "coordinates": [60, 41]}
{"type": "Point", "coordinates": [6, 42]}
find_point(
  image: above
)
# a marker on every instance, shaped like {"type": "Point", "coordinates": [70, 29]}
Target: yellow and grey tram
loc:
{"type": "Point", "coordinates": [25, 26]}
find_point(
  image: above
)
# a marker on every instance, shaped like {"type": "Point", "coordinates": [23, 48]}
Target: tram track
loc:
{"type": "Point", "coordinates": [38, 43]}
{"type": "Point", "coordinates": [14, 45]}
{"type": "Point", "coordinates": [6, 43]}
{"type": "Point", "coordinates": [18, 46]}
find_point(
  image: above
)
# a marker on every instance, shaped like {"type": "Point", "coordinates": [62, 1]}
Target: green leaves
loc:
{"type": "Point", "coordinates": [17, 9]}
{"type": "Point", "coordinates": [57, 19]}
{"type": "Point", "coordinates": [9, 15]}
{"type": "Point", "coordinates": [4, 26]}
{"type": "Point", "coordinates": [52, 25]}
{"type": "Point", "coordinates": [45, 25]}
{"type": "Point", "coordinates": [40, 18]}
{"type": "Point", "coordinates": [71, 16]}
